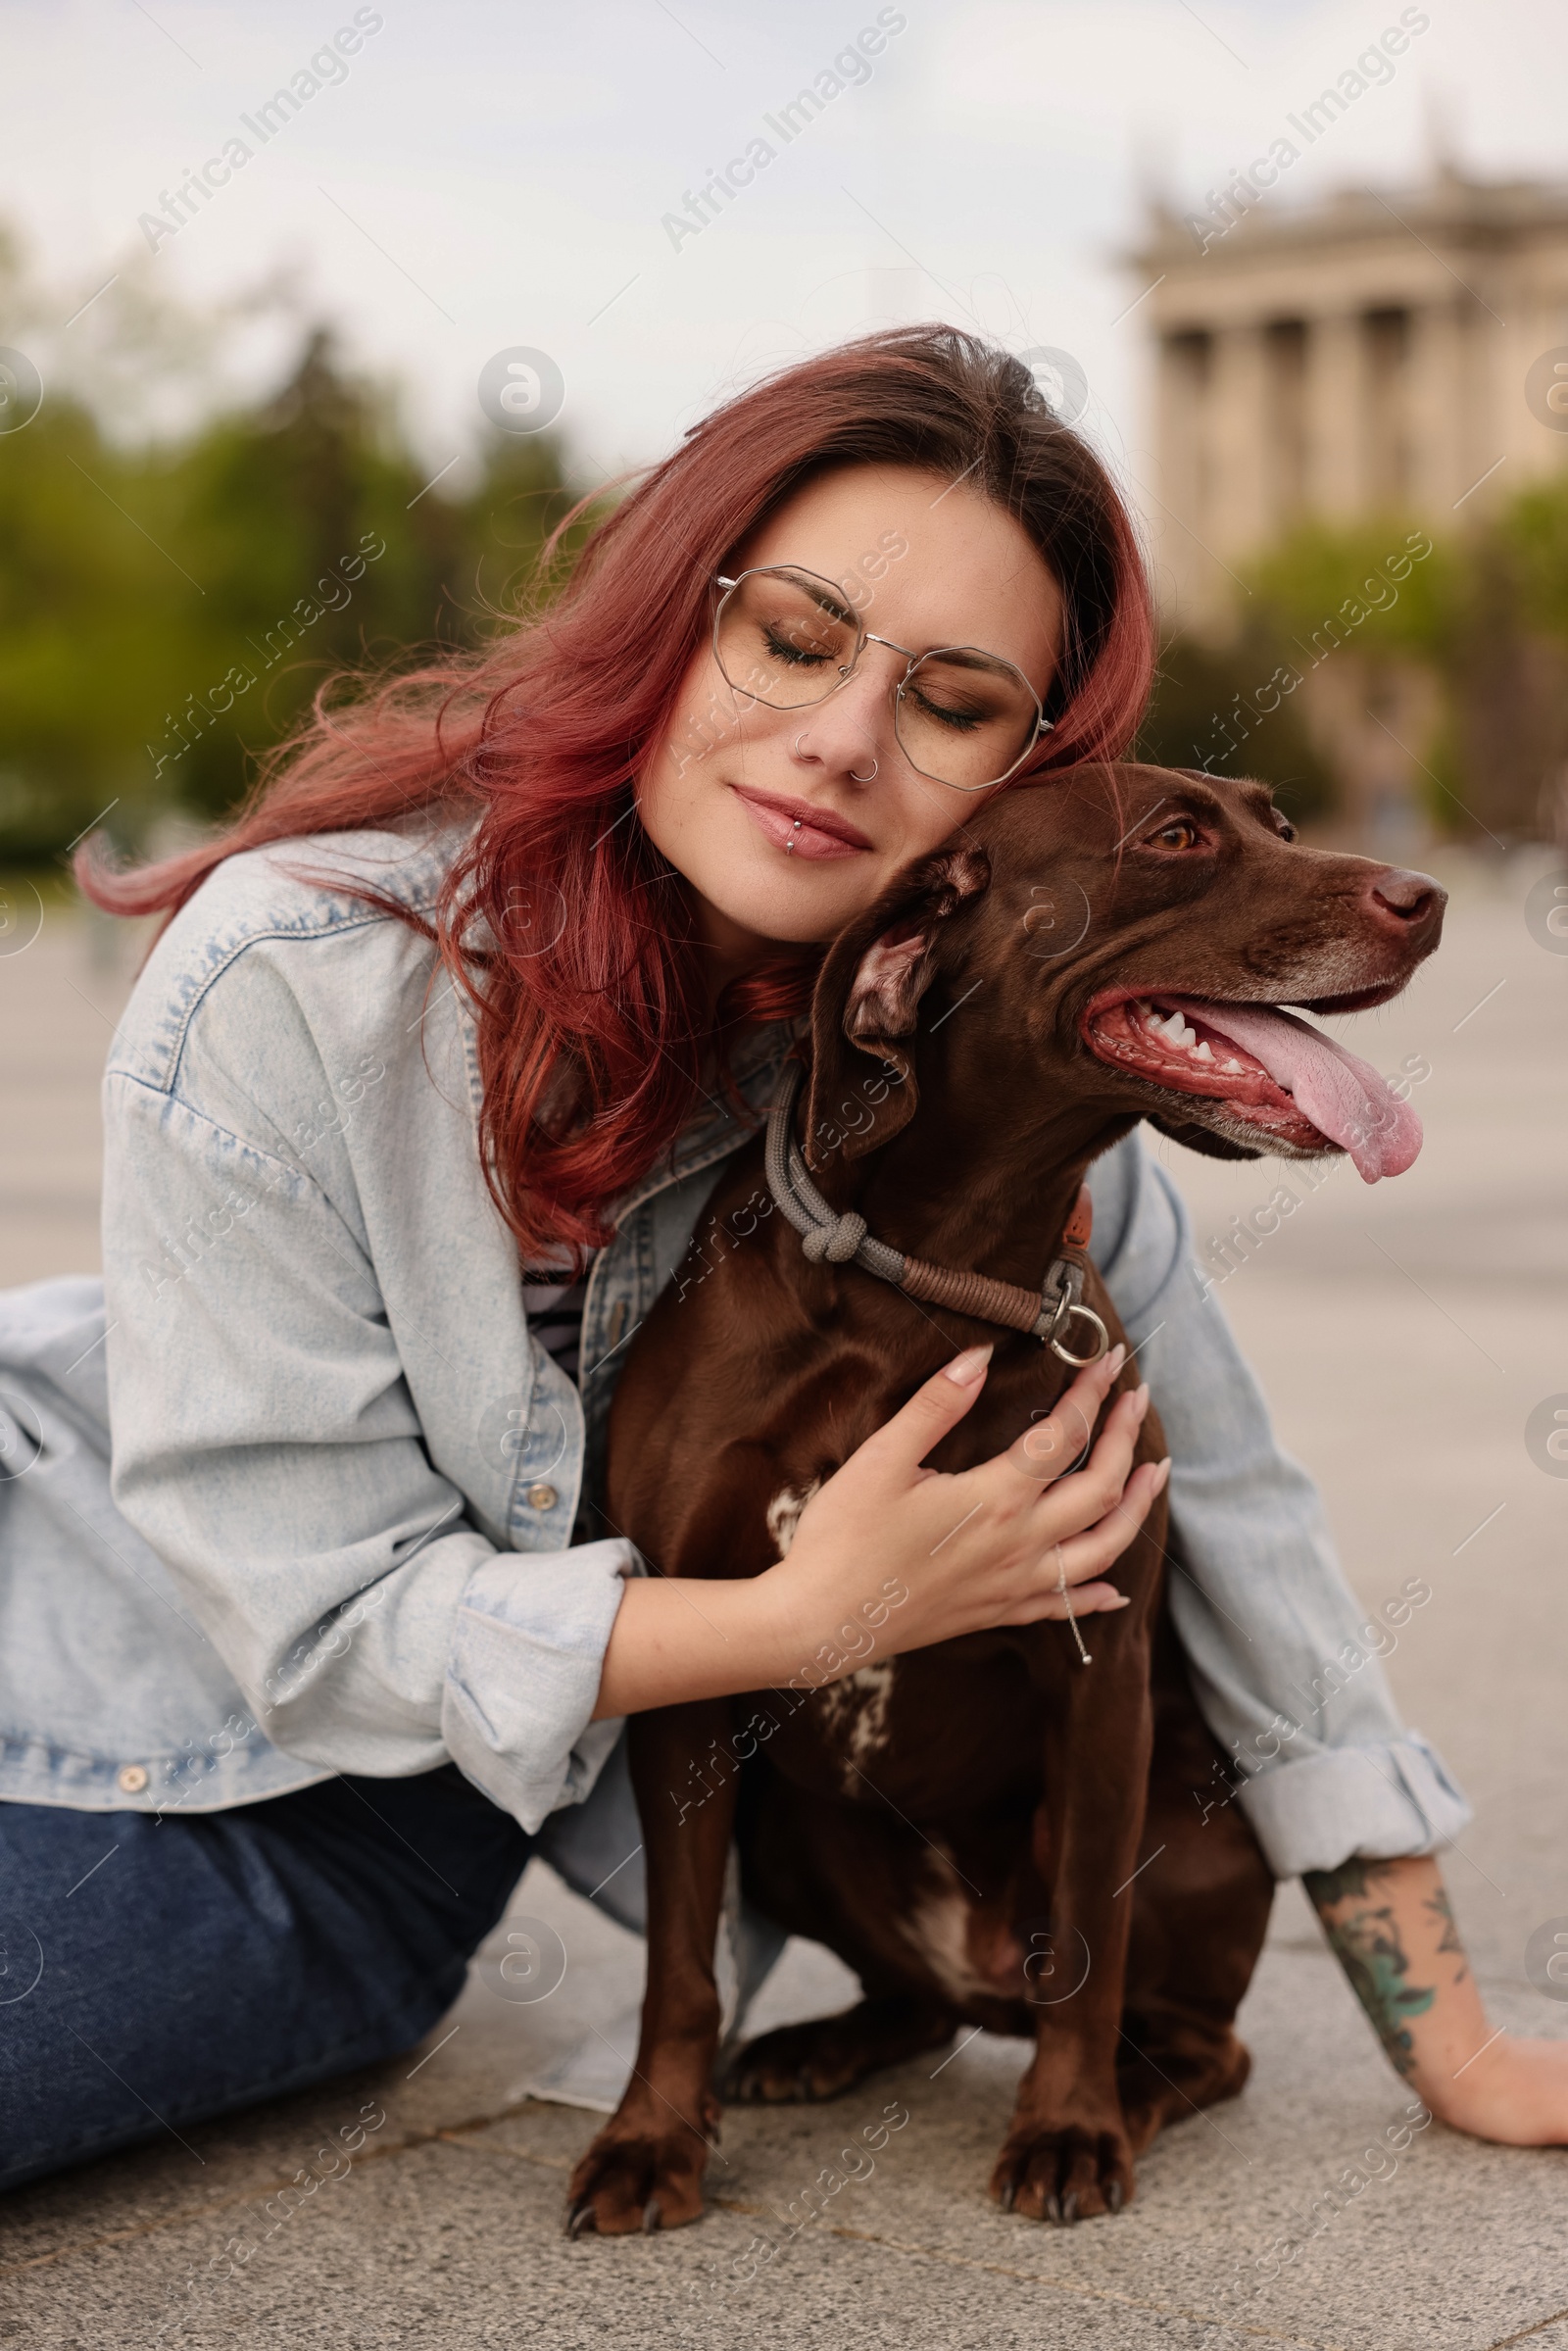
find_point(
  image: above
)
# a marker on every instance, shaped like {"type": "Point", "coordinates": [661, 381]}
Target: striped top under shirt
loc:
{"type": "Point", "coordinates": [554, 1316]}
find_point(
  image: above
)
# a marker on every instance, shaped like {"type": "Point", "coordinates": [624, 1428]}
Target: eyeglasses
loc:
{"type": "Point", "coordinates": [788, 639]}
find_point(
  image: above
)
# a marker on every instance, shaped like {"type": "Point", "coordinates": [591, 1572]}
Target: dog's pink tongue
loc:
{"type": "Point", "coordinates": [1342, 1095]}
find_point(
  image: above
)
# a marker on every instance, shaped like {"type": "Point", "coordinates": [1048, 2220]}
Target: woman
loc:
{"type": "Point", "coordinates": [351, 1638]}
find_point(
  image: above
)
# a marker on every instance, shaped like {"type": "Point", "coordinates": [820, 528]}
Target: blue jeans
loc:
{"type": "Point", "coordinates": [156, 1972]}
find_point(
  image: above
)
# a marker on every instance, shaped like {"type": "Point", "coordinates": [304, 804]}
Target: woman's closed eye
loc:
{"type": "Point", "coordinates": [962, 721]}
{"type": "Point", "coordinates": [783, 649]}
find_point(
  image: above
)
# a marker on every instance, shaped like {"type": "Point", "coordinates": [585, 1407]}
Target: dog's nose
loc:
{"type": "Point", "coordinates": [1402, 901]}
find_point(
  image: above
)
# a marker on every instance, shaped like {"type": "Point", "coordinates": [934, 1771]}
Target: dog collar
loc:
{"type": "Point", "coordinates": [846, 1240]}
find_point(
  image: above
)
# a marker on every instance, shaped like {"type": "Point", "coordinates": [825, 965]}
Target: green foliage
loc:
{"type": "Point", "coordinates": [1383, 587]}
{"type": "Point", "coordinates": [166, 612]}
{"type": "Point", "coordinates": [1533, 532]}
{"type": "Point", "coordinates": [1384, 581]}
{"type": "Point", "coordinates": [1484, 610]}
{"type": "Point", "coordinates": [1231, 711]}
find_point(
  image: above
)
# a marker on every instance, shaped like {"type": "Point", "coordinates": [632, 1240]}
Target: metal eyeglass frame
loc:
{"type": "Point", "coordinates": [1042, 726]}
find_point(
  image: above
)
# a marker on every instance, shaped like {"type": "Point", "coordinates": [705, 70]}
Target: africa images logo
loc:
{"type": "Point", "coordinates": [327, 66]}
{"type": "Point", "coordinates": [851, 68]}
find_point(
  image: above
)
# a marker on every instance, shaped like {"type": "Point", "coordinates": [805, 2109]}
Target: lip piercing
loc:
{"type": "Point", "coordinates": [790, 843]}
{"type": "Point", "coordinates": [863, 779]}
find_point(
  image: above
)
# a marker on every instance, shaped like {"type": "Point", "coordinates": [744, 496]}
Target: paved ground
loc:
{"type": "Point", "coordinates": [1405, 1334]}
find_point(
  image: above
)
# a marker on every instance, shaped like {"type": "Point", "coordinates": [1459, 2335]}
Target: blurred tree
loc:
{"type": "Point", "coordinates": [1370, 599]}
{"type": "Point", "coordinates": [167, 611]}
{"type": "Point", "coordinates": [299, 520]}
{"type": "Point", "coordinates": [1227, 709]}
{"type": "Point", "coordinates": [92, 612]}
{"type": "Point", "coordinates": [323, 547]}
{"type": "Point", "coordinates": [1508, 667]}
{"type": "Point", "coordinates": [1321, 586]}
{"type": "Point", "coordinates": [1533, 533]}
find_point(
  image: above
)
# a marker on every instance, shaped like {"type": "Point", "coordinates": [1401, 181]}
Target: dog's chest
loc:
{"type": "Point", "coordinates": [951, 1723]}
{"type": "Point", "coordinates": [851, 1717]}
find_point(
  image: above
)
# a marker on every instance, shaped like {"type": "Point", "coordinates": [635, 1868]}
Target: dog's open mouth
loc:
{"type": "Point", "coordinates": [1264, 1068]}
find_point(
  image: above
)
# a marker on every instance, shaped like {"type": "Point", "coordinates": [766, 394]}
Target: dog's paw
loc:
{"type": "Point", "coordinates": [827, 2055]}
{"type": "Point", "coordinates": [797, 2062]}
{"type": "Point", "coordinates": [1063, 2175]}
{"type": "Point", "coordinates": [632, 2180]}
{"type": "Point", "coordinates": [1157, 2091]}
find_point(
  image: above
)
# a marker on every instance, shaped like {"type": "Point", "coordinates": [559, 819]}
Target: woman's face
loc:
{"type": "Point", "coordinates": [924, 561]}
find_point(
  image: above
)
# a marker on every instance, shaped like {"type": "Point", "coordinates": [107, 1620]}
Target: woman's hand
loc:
{"type": "Point", "coordinates": [1515, 2091]}
{"type": "Point", "coordinates": [989, 1545]}
{"type": "Point", "coordinates": [1390, 1925]}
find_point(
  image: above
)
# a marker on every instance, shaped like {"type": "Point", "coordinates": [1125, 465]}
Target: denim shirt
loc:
{"type": "Point", "coordinates": [345, 1525]}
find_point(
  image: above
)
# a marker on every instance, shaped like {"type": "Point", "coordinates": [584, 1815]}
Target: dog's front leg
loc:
{"type": "Point", "coordinates": [645, 2168]}
{"type": "Point", "coordinates": [1067, 2154]}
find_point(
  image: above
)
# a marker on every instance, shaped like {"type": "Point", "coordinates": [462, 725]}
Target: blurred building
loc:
{"type": "Point", "coordinates": [1365, 355]}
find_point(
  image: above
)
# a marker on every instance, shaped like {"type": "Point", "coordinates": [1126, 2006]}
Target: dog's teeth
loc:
{"type": "Point", "coordinates": [1202, 1052]}
{"type": "Point", "coordinates": [1232, 1069]}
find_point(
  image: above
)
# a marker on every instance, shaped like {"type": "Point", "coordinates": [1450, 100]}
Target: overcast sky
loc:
{"type": "Point", "coordinates": [486, 176]}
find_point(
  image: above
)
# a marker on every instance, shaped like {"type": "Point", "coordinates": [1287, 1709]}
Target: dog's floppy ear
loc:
{"type": "Point", "coordinates": [867, 999]}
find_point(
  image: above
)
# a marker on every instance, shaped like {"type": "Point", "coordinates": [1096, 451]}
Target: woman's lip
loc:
{"type": "Point", "coordinates": [806, 831]}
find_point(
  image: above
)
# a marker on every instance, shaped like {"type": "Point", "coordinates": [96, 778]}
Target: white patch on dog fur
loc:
{"type": "Point", "coordinates": [784, 1513]}
{"type": "Point", "coordinates": [938, 1928]}
{"type": "Point", "coordinates": [854, 1711]}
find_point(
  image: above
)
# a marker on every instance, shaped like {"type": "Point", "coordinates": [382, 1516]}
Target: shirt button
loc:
{"type": "Point", "coordinates": [131, 1779]}
{"type": "Point", "coordinates": [540, 1498]}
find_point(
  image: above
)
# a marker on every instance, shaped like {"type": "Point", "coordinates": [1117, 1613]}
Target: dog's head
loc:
{"type": "Point", "coordinates": [1124, 939]}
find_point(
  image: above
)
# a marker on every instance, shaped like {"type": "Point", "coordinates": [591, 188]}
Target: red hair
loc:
{"type": "Point", "coordinates": [594, 1047]}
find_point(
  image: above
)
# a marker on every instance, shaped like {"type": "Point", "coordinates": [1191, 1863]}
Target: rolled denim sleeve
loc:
{"type": "Point", "coordinates": [522, 1677]}
{"type": "Point", "coordinates": [1284, 1661]}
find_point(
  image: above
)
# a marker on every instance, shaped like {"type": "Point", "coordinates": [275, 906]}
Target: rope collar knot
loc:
{"type": "Point", "coordinates": [845, 1239]}
{"type": "Point", "coordinates": [837, 1241]}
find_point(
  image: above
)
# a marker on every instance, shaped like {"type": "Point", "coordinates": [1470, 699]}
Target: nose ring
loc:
{"type": "Point", "coordinates": [799, 740]}
{"type": "Point", "coordinates": [865, 779]}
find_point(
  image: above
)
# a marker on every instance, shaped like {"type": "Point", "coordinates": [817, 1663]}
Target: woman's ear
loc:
{"type": "Point", "coordinates": [866, 1002]}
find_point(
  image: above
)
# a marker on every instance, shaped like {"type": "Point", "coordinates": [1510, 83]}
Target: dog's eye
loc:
{"type": "Point", "coordinates": [1179, 833]}
{"type": "Point", "coordinates": [1283, 826]}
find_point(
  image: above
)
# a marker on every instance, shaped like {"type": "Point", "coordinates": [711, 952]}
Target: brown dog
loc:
{"type": "Point", "coordinates": [961, 1823]}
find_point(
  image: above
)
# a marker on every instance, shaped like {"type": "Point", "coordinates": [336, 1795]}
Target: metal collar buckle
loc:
{"type": "Point", "coordinates": [843, 1239]}
{"type": "Point", "coordinates": [1061, 1304]}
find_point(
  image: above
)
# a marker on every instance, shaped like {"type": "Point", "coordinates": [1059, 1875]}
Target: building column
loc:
{"type": "Point", "coordinates": [1336, 420]}
{"type": "Point", "coordinates": [1242, 503]}
{"type": "Point", "coordinates": [1439, 435]}
{"type": "Point", "coordinates": [1180, 482]}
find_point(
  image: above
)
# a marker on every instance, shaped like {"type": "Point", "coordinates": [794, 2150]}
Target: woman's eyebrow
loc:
{"type": "Point", "coordinates": [971, 657]}
{"type": "Point", "coordinates": [819, 594]}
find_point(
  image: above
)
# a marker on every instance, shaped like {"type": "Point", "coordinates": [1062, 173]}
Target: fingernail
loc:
{"type": "Point", "coordinates": [1163, 1474]}
{"type": "Point", "coordinates": [1114, 1361]}
{"type": "Point", "coordinates": [1125, 1601]}
{"type": "Point", "coordinates": [965, 1369]}
{"type": "Point", "coordinates": [1141, 1400]}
